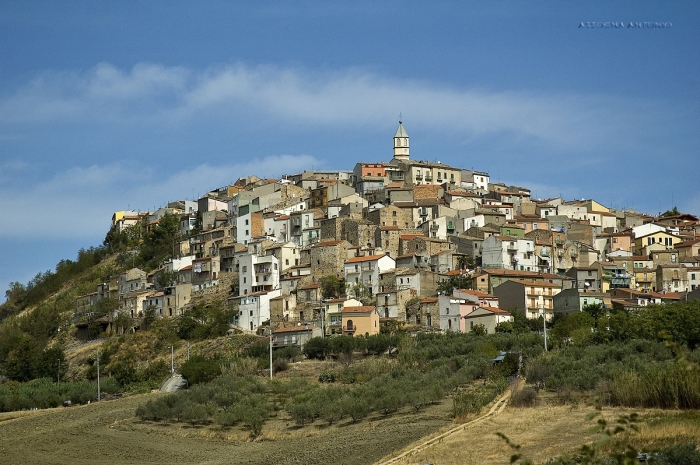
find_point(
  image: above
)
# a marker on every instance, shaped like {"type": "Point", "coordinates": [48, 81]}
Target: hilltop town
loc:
{"type": "Point", "coordinates": [410, 243]}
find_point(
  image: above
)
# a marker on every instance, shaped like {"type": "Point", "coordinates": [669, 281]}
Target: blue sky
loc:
{"type": "Point", "coordinates": [112, 105]}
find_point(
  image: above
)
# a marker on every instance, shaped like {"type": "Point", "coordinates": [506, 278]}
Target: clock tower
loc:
{"type": "Point", "coordinates": [401, 144]}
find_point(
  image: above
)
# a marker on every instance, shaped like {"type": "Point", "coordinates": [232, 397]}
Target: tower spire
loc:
{"type": "Point", "coordinates": [401, 152]}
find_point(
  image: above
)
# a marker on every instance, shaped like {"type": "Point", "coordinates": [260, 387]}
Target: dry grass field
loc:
{"type": "Point", "coordinates": [109, 433]}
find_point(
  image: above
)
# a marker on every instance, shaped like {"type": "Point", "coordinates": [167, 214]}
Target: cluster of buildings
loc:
{"type": "Point", "coordinates": [392, 231]}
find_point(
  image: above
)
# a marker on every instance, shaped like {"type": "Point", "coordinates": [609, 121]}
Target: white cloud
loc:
{"type": "Point", "coordinates": [155, 93]}
{"type": "Point", "coordinates": [79, 202]}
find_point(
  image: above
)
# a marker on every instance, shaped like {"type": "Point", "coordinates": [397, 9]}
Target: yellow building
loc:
{"type": "Point", "coordinates": [361, 321]}
{"type": "Point", "coordinates": [659, 240]}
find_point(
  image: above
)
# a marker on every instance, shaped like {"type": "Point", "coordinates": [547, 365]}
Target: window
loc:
{"type": "Point", "coordinates": [246, 223]}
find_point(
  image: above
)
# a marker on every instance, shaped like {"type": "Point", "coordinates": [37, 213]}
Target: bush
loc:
{"type": "Point", "coordinates": [316, 347]}
{"type": "Point", "coordinates": [683, 454]}
{"type": "Point", "coordinates": [199, 369]}
{"type": "Point", "coordinates": [326, 377]}
{"type": "Point", "coordinates": [280, 365]}
{"type": "Point", "coordinates": [525, 397]}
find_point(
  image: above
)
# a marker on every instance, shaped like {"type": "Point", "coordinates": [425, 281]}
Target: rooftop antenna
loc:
{"type": "Point", "coordinates": [400, 118]}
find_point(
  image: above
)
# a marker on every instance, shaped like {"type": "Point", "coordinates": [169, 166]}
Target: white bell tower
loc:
{"type": "Point", "coordinates": [401, 151]}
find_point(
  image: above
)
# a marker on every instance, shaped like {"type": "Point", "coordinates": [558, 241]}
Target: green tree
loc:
{"type": "Point", "coordinates": [332, 286]}
{"type": "Point", "coordinates": [199, 369]}
{"type": "Point", "coordinates": [316, 347]}
{"type": "Point", "coordinates": [478, 330]}
{"type": "Point", "coordinates": [673, 212]}
{"type": "Point", "coordinates": [460, 281]}
{"type": "Point", "coordinates": [362, 292]}
{"type": "Point", "coordinates": [167, 278]}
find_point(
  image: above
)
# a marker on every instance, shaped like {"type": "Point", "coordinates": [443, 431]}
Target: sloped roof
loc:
{"type": "Point", "coordinates": [359, 309]}
{"type": "Point", "coordinates": [400, 131]}
{"type": "Point", "coordinates": [365, 259]}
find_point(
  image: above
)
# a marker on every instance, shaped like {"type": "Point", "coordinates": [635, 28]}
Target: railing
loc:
{"type": "Point", "coordinates": [428, 177]}
{"type": "Point", "coordinates": [434, 227]}
{"type": "Point", "coordinates": [349, 329]}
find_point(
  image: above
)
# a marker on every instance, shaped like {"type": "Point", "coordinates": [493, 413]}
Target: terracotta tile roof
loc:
{"type": "Point", "coordinates": [496, 310]}
{"type": "Point", "coordinates": [365, 259]}
{"type": "Point", "coordinates": [686, 243]}
{"type": "Point", "coordinates": [185, 268]}
{"type": "Point", "coordinates": [476, 293]}
{"type": "Point", "coordinates": [429, 300]}
{"type": "Point", "coordinates": [453, 273]}
{"type": "Point", "coordinates": [408, 237]}
{"type": "Point", "coordinates": [389, 228]}
{"type": "Point", "coordinates": [536, 283]}
{"type": "Point", "coordinates": [529, 274]}
{"type": "Point", "coordinates": [359, 309]}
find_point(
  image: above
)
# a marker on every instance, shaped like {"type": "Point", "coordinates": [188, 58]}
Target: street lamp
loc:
{"type": "Point", "coordinates": [172, 359]}
{"type": "Point", "coordinates": [544, 323]}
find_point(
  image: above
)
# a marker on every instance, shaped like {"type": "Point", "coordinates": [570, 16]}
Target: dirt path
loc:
{"type": "Point", "coordinates": [496, 408]}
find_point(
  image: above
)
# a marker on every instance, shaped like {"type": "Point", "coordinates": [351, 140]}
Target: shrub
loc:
{"type": "Point", "coordinates": [682, 454]}
{"type": "Point", "coordinates": [316, 347]}
{"type": "Point", "coordinates": [326, 377]}
{"type": "Point", "coordinates": [525, 397]}
{"type": "Point", "coordinates": [199, 369]}
{"type": "Point", "coordinates": [280, 365]}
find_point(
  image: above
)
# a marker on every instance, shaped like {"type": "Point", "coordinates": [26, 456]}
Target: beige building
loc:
{"type": "Point", "coordinates": [360, 321]}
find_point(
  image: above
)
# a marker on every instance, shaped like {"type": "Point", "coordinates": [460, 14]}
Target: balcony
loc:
{"type": "Point", "coordinates": [349, 329]}
{"type": "Point", "coordinates": [574, 253]}
{"type": "Point", "coordinates": [434, 227]}
{"type": "Point", "coordinates": [512, 246]}
{"type": "Point", "coordinates": [428, 177]}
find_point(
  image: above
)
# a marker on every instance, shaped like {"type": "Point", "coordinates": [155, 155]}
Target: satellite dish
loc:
{"type": "Point", "coordinates": [587, 284]}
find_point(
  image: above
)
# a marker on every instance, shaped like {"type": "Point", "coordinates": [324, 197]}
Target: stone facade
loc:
{"type": "Point", "coordinates": [328, 258]}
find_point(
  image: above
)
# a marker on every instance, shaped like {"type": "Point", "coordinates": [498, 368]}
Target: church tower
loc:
{"type": "Point", "coordinates": [401, 152]}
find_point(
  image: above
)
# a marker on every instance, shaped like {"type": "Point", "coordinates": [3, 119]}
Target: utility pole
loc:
{"type": "Point", "coordinates": [98, 375]}
{"type": "Point", "coordinates": [172, 359]}
{"type": "Point", "coordinates": [270, 353]}
{"type": "Point", "coordinates": [544, 323]}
